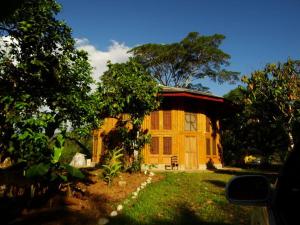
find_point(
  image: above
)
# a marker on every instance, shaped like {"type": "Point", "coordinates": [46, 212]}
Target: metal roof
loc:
{"type": "Point", "coordinates": [167, 89]}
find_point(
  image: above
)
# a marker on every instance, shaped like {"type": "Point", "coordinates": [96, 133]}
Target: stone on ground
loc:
{"type": "Point", "coordinates": [103, 221]}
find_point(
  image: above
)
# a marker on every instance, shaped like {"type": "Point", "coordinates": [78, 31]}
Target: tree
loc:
{"type": "Point", "coordinates": [243, 134]}
{"type": "Point", "coordinates": [182, 64]}
{"type": "Point", "coordinates": [129, 93]}
{"type": "Point", "coordinates": [9, 7]}
{"type": "Point", "coordinates": [232, 132]}
{"type": "Point", "coordinates": [266, 120]}
{"type": "Point", "coordinates": [273, 95]}
{"type": "Point", "coordinates": [44, 87]}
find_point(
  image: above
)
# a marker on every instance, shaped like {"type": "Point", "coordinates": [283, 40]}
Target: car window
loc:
{"type": "Point", "coordinates": [288, 190]}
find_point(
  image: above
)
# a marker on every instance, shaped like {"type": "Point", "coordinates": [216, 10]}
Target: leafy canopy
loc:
{"type": "Point", "coordinates": [127, 88]}
{"type": "Point", "coordinates": [266, 120]}
{"type": "Point", "coordinates": [129, 93]}
{"type": "Point", "coordinates": [274, 94]}
{"type": "Point", "coordinates": [182, 64]}
{"type": "Point", "coordinates": [44, 85]}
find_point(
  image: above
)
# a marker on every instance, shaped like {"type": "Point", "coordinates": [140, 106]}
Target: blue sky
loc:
{"type": "Point", "coordinates": [257, 31]}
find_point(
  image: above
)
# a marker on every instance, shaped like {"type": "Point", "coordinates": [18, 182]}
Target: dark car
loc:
{"type": "Point", "coordinates": [280, 203]}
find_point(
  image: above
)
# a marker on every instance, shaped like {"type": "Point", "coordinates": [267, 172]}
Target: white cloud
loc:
{"type": "Point", "coordinates": [117, 53]}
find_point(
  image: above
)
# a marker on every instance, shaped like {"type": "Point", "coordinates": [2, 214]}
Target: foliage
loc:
{"type": "Point", "coordinates": [53, 170]}
{"type": "Point", "coordinates": [72, 146]}
{"type": "Point", "coordinates": [10, 7]}
{"type": "Point", "coordinates": [266, 116]}
{"type": "Point", "coordinates": [232, 135]}
{"type": "Point", "coordinates": [127, 88]}
{"type": "Point", "coordinates": [274, 95]}
{"type": "Point", "coordinates": [136, 164]}
{"type": "Point", "coordinates": [181, 64]}
{"type": "Point", "coordinates": [112, 166]}
{"type": "Point", "coordinates": [129, 93]}
{"type": "Point", "coordinates": [44, 88]}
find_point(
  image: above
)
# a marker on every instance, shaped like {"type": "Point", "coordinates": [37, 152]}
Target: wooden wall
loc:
{"type": "Point", "coordinates": [189, 146]}
{"type": "Point", "coordinates": [181, 138]}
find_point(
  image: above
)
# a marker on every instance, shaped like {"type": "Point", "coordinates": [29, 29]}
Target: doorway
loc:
{"type": "Point", "coordinates": [190, 145]}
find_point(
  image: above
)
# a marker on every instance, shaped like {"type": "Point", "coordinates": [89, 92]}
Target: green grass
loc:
{"type": "Point", "coordinates": [184, 198]}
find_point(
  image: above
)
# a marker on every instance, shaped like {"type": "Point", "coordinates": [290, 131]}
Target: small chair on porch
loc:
{"type": "Point", "coordinates": [174, 163]}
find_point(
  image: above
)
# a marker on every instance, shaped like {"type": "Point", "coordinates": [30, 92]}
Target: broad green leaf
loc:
{"type": "Point", "coordinates": [64, 178]}
{"type": "Point", "coordinates": [74, 172]}
{"type": "Point", "coordinates": [38, 170]}
{"type": "Point", "coordinates": [56, 154]}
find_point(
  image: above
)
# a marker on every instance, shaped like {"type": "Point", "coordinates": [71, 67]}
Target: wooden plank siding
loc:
{"type": "Point", "coordinates": [167, 127]}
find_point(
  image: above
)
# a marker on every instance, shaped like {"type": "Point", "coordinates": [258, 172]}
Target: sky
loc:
{"type": "Point", "coordinates": [257, 31]}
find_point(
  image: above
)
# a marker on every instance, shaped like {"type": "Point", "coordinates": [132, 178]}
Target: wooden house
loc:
{"type": "Point", "coordinates": [186, 125]}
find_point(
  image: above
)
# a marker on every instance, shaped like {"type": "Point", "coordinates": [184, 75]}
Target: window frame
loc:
{"type": "Point", "coordinates": [189, 122]}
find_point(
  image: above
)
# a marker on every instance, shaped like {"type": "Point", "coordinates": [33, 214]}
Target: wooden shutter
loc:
{"type": "Point", "coordinates": [207, 146]}
{"type": "Point", "coordinates": [167, 120]}
{"type": "Point", "coordinates": [154, 146]}
{"type": "Point", "coordinates": [207, 124]}
{"type": "Point", "coordinates": [214, 146]}
{"type": "Point", "coordinates": [154, 120]}
{"type": "Point", "coordinates": [167, 145]}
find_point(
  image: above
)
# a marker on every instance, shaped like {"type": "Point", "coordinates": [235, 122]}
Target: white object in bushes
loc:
{"type": "Point", "coordinates": [103, 221]}
{"type": "Point", "coordinates": [119, 208]}
{"type": "Point", "coordinates": [78, 160]}
{"type": "Point", "coordinates": [113, 213]}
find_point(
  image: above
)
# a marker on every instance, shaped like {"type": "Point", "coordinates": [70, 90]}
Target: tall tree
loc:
{"type": "Point", "coordinates": [44, 86]}
{"type": "Point", "coordinates": [129, 93]}
{"type": "Point", "coordinates": [182, 64]}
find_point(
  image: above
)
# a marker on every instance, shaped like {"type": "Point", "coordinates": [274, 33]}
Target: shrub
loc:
{"type": "Point", "coordinates": [112, 166]}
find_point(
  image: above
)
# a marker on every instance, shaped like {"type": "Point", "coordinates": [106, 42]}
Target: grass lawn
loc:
{"type": "Point", "coordinates": [184, 198]}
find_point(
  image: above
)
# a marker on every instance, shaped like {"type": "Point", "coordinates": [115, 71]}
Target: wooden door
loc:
{"type": "Point", "coordinates": [190, 146]}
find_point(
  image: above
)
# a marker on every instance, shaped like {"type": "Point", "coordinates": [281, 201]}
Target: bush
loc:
{"type": "Point", "coordinates": [71, 148]}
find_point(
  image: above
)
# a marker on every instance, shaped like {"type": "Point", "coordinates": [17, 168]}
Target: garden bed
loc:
{"type": "Point", "coordinates": [89, 201]}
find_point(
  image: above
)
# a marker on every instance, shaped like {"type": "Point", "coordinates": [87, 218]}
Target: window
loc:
{"type": "Point", "coordinates": [154, 146]}
{"type": "Point", "coordinates": [214, 146]}
{"type": "Point", "coordinates": [207, 124]}
{"type": "Point", "coordinates": [167, 120]}
{"type": "Point", "coordinates": [167, 145]}
{"type": "Point", "coordinates": [154, 120]}
{"type": "Point", "coordinates": [207, 146]}
{"type": "Point", "coordinates": [190, 123]}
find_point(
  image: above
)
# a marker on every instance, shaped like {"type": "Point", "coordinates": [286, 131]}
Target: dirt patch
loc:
{"type": "Point", "coordinates": [90, 201]}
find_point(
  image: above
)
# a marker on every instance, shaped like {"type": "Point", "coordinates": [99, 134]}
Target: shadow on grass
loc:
{"type": "Point", "coordinates": [272, 176]}
{"type": "Point", "coordinates": [218, 183]}
{"type": "Point", "coordinates": [184, 216]}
